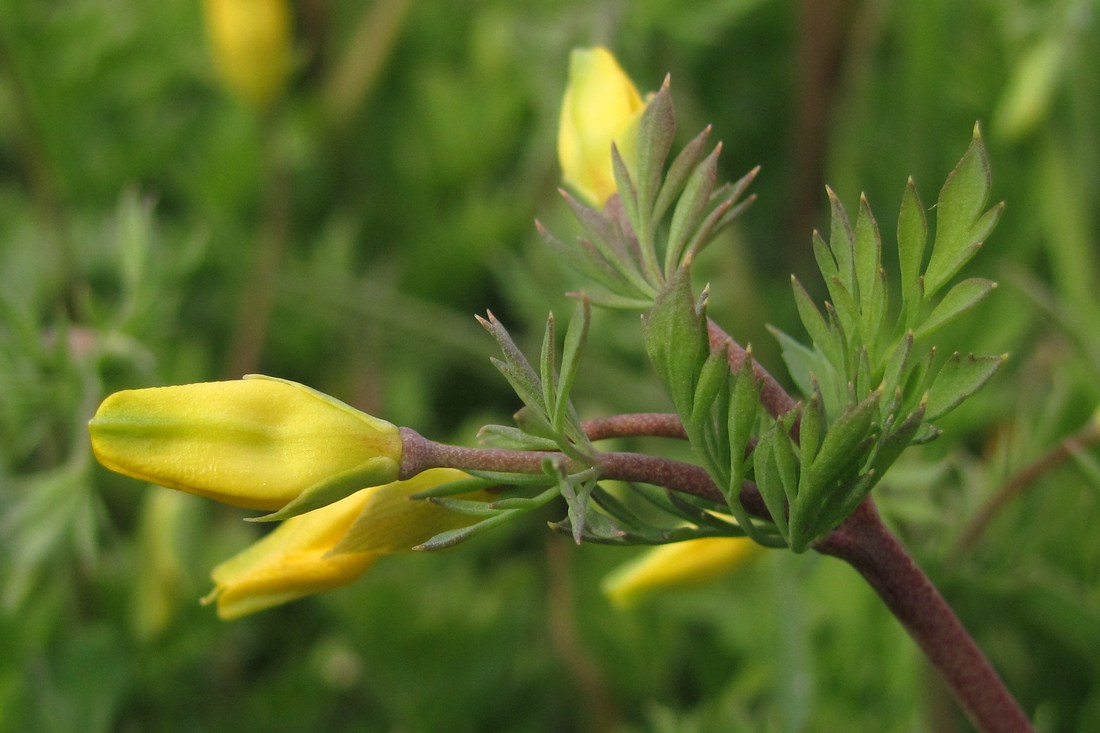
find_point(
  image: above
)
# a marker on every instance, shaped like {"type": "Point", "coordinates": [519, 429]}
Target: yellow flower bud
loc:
{"type": "Point", "coordinates": [306, 555]}
{"type": "Point", "coordinates": [601, 106]}
{"type": "Point", "coordinates": [678, 565]}
{"type": "Point", "coordinates": [251, 44]}
{"type": "Point", "coordinates": [258, 443]}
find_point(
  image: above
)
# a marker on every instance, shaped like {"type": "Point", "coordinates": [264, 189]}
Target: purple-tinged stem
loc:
{"type": "Point", "coordinates": [653, 424]}
{"type": "Point", "coordinates": [865, 543]}
{"type": "Point", "coordinates": [420, 454]}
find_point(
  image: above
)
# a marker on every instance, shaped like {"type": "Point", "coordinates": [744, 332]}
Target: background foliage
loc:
{"type": "Point", "coordinates": [153, 229]}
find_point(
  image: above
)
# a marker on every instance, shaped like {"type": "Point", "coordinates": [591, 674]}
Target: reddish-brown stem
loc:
{"type": "Point", "coordinates": [865, 543]}
{"type": "Point", "coordinates": [420, 454]}
{"type": "Point", "coordinates": [654, 424]}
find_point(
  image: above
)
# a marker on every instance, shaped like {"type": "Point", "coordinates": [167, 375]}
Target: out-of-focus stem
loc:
{"type": "Point", "coordinates": [262, 284]}
{"type": "Point", "coordinates": [1019, 483]}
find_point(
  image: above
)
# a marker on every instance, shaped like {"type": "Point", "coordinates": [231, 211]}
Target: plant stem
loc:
{"type": "Point", "coordinates": [652, 424]}
{"type": "Point", "coordinates": [420, 454]}
{"type": "Point", "coordinates": [1019, 483]}
{"type": "Point", "coordinates": [865, 543]}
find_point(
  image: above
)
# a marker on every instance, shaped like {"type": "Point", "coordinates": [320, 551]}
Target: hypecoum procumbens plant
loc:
{"type": "Point", "coordinates": [770, 470]}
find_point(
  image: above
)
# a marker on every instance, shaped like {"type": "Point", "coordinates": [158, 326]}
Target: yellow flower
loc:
{"type": "Point", "coordinates": [251, 44]}
{"type": "Point", "coordinates": [258, 443]}
{"type": "Point", "coordinates": [306, 555]}
{"type": "Point", "coordinates": [601, 106]}
{"type": "Point", "coordinates": [678, 565]}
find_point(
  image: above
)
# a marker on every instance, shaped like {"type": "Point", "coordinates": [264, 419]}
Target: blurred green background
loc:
{"type": "Point", "coordinates": [156, 227]}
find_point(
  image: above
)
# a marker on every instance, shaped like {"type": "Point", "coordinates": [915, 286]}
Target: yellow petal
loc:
{"type": "Point", "coordinates": [305, 555]}
{"type": "Point", "coordinates": [393, 522]}
{"type": "Point", "coordinates": [292, 561]}
{"type": "Point", "coordinates": [678, 565]}
{"type": "Point", "coordinates": [601, 106]}
{"type": "Point", "coordinates": [256, 443]}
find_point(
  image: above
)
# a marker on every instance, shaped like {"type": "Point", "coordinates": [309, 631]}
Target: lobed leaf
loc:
{"type": "Point", "coordinates": [959, 299]}
{"type": "Point", "coordinates": [957, 380]}
{"type": "Point", "coordinates": [912, 240]}
{"type": "Point", "coordinates": [961, 227]}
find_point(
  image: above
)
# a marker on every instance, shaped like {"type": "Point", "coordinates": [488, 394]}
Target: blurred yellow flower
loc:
{"type": "Point", "coordinates": [305, 554]}
{"type": "Point", "coordinates": [257, 443]}
{"type": "Point", "coordinates": [601, 107]}
{"type": "Point", "coordinates": [678, 565]}
{"type": "Point", "coordinates": [251, 44]}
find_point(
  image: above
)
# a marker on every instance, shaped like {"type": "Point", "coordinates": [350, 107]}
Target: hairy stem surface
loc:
{"type": "Point", "coordinates": [865, 543]}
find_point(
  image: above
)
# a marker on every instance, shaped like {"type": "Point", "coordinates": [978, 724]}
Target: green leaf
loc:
{"type": "Point", "coordinates": [812, 320]}
{"type": "Point", "coordinates": [961, 228]}
{"type": "Point", "coordinates": [656, 130]}
{"type": "Point", "coordinates": [959, 299]}
{"type": "Point", "coordinates": [721, 214]}
{"type": "Point", "coordinates": [676, 340]}
{"type": "Point", "coordinates": [468, 507]}
{"type": "Point", "coordinates": [610, 251]}
{"type": "Point", "coordinates": [868, 260]}
{"type": "Point", "coordinates": [503, 436]}
{"type": "Point", "coordinates": [957, 380]}
{"type": "Point", "coordinates": [803, 364]}
{"type": "Point", "coordinates": [839, 457]}
{"type": "Point", "coordinates": [374, 472]}
{"type": "Point", "coordinates": [811, 429]}
{"type": "Point", "coordinates": [744, 404]}
{"type": "Point", "coordinates": [899, 438]}
{"type": "Point", "coordinates": [842, 243]}
{"type": "Point", "coordinates": [769, 482]}
{"type": "Point", "coordinates": [576, 336]}
{"type": "Point", "coordinates": [691, 208]}
{"type": "Point", "coordinates": [451, 488]}
{"type": "Point", "coordinates": [547, 366]}
{"type": "Point", "coordinates": [912, 240]}
{"type": "Point", "coordinates": [515, 367]}
{"type": "Point", "coordinates": [454, 536]}
{"type": "Point", "coordinates": [682, 166]}
{"type": "Point", "coordinates": [897, 366]}
{"type": "Point", "coordinates": [786, 462]}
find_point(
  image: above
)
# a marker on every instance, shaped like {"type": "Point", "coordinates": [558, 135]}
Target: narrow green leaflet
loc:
{"type": "Point", "coordinates": [676, 340]}
{"type": "Point", "coordinates": [548, 368]}
{"type": "Point", "coordinates": [770, 482]}
{"type": "Point", "coordinates": [656, 130]}
{"type": "Point", "coordinates": [842, 243]}
{"type": "Point", "coordinates": [691, 209]}
{"type": "Point", "coordinates": [912, 240]}
{"type": "Point", "coordinates": [575, 338]}
{"type": "Point", "coordinates": [958, 379]}
{"type": "Point", "coordinates": [840, 456]}
{"type": "Point", "coordinates": [961, 227]}
{"type": "Point", "coordinates": [959, 299]}
{"type": "Point", "coordinates": [868, 265]}
{"type": "Point", "coordinates": [454, 536]}
{"type": "Point", "coordinates": [682, 166]}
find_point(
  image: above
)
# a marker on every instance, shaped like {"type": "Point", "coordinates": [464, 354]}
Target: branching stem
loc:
{"type": "Point", "coordinates": [420, 454]}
